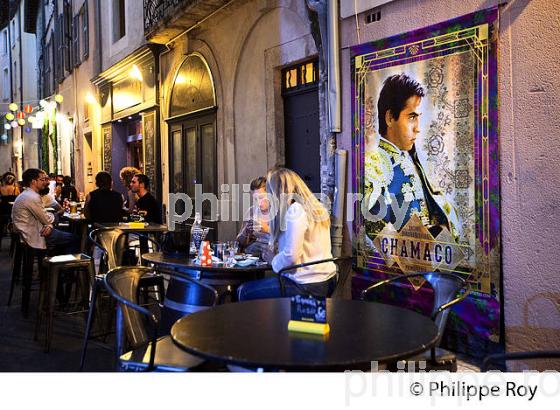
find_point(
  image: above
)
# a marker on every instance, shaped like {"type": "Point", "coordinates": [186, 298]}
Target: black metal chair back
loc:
{"type": "Point", "coordinates": [338, 261]}
{"type": "Point", "coordinates": [140, 324]}
{"type": "Point", "coordinates": [449, 289]}
{"type": "Point", "coordinates": [112, 243]}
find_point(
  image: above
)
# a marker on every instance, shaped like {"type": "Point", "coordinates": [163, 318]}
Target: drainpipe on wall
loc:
{"type": "Point", "coordinates": [335, 127]}
{"type": "Point", "coordinates": [11, 84]}
{"type": "Point", "coordinates": [338, 203]}
{"type": "Point", "coordinates": [21, 84]}
{"type": "Point", "coordinates": [324, 28]}
{"type": "Point", "coordinates": [98, 38]}
{"type": "Point", "coordinates": [333, 67]}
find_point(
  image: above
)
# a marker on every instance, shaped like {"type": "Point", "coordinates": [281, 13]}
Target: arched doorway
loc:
{"type": "Point", "coordinates": [192, 134]}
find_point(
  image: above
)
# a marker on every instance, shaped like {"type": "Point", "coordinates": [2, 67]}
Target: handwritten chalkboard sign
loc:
{"type": "Point", "coordinates": [150, 150]}
{"type": "Point", "coordinates": [308, 315]}
{"type": "Point", "coordinates": [107, 148]}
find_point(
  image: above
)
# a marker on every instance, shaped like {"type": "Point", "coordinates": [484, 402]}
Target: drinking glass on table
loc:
{"type": "Point", "coordinates": [234, 246]}
{"type": "Point", "coordinates": [219, 251]}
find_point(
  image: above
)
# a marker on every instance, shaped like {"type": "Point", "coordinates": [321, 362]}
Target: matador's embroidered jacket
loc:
{"type": "Point", "coordinates": [395, 175]}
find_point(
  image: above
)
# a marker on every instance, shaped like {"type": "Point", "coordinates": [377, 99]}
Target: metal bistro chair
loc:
{"type": "Point", "coordinates": [446, 286]}
{"type": "Point", "coordinates": [112, 244]}
{"type": "Point", "coordinates": [503, 357]}
{"type": "Point", "coordinates": [149, 352]}
{"type": "Point", "coordinates": [24, 259]}
{"type": "Point", "coordinates": [342, 275]}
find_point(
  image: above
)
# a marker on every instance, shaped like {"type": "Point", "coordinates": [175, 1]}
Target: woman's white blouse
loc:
{"type": "Point", "coordinates": [304, 241]}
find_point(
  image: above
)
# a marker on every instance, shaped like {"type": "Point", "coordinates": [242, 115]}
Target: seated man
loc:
{"type": "Point", "coordinates": [146, 204]}
{"type": "Point", "coordinates": [36, 224]}
{"type": "Point", "coordinates": [103, 204]}
{"type": "Point", "coordinates": [255, 231]}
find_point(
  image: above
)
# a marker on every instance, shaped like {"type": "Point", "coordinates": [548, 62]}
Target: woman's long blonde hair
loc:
{"type": "Point", "coordinates": [285, 187]}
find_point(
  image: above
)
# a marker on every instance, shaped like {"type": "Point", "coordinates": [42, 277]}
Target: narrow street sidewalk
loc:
{"type": "Point", "coordinates": [20, 353]}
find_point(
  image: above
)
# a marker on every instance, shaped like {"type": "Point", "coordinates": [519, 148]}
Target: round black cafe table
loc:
{"type": "Point", "coordinates": [181, 298]}
{"type": "Point", "coordinates": [255, 334]}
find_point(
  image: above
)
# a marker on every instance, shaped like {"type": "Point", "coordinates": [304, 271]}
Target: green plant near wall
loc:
{"type": "Point", "coordinates": [45, 147]}
{"type": "Point", "coordinates": [48, 140]}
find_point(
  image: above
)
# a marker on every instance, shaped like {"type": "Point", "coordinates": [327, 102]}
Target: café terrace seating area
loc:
{"type": "Point", "coordinates": [132, 289]}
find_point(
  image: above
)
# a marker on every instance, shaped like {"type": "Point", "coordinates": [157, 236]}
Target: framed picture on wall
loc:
{"type": "Point", "coordinates": [425, 113]}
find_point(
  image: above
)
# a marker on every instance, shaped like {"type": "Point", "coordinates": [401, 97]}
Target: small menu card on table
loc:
{"type": "Point", "coordinates": [308, 315]}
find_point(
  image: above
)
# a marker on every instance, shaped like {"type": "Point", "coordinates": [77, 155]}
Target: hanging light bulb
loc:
{"type": "Point", "coordinates": [31, 119]}
{"type": "Point", "coordinates": [10, 116]}
{"type": "Point", "coordinates": [28, 109]}
{"type": "Point", "coordinates": [21, 121]}
{"type": "Point", "coordinates": [20, 115]}
{"type": "Point", "coordinates": [7, 126]}
{"type": "Point", "coordinates": [14, 124]}
{"type": "Point", "coordinates": [27, 130]}
{"type": "Point", "coordinates": [13, 107]}
{"type": "Point", "coordinates": [59, 98]}
{"type": "Point", "coordinates": [43, 104]}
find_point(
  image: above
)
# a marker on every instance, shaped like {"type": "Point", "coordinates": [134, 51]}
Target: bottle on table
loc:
{"type": "Point", "coordinates": [196, 234]}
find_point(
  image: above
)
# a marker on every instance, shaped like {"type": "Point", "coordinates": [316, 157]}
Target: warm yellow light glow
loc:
{"type": "Point", "coordinates": [10, 116]}
{"type": "Point", "coordinates": [21, 121]}
{"type": "Point", "coordinates": [125, 100]}
{"type": "Point", "coordinates": [39, 120]}
{"type": "Point", "coordinates": [135, 73]}
{"type": "Point", "coordinates": [90, 99]}
{"type": "Point", "coordinates": [18, 147]}
{"type": "Point", "coordinates": [31, 119]}
{"type": "Point", "coordinates": [181, 79]}
{"type": "Point", "coordinates": [13, 107]}
{"type": "Point", "coordinates": [59, 98]}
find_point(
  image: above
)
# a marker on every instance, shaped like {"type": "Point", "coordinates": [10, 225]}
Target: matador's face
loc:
{"type": "Point", "coordinates": [403, 131]}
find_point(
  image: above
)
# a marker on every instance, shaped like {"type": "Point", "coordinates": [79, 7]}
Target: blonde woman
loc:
{"type": "Point", "coordinates": [300, 231]}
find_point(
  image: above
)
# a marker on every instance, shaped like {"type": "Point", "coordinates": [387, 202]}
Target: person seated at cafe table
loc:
{"type": "Point", "coordinates": [103, 204]}
{"type": "Point", "coordinates": [36, 224]}
{"type": "Point", "coordinates": [300, 231]}
{"type": "Point", "coordinates": [125, 176]}
{"type": "Point", "coordinates": [68, 191]}
{"type": "Point", "coordinates": [146, 204]}
{"type": "Point", "coordinates": [255, 231]}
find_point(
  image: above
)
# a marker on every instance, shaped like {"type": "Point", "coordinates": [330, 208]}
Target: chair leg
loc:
{"type": "Point", "coordinates": [41, 306]}
{"type": "Point", "coordinates": [16, 270]}
{"type": "Point", "coordinates": [28, 260]}
{"type": "Point", "coordinates": [89, 323]}
{"type": "Point", "coordinates": [51, 295]}
{"type": "Point", "coordinates": [14, 239]}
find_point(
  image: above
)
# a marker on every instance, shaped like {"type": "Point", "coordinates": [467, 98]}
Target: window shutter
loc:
{"type": "Point", "coordinates": [47, 71]}
{"type": "Point", "coordinates": [85, 29]}
{"type": "Point", "coordinates": [76, 41]}
{"type": "Point", "coordinates": [67, 36]}
{"type": "Point", "coordinates": [58, 61]}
